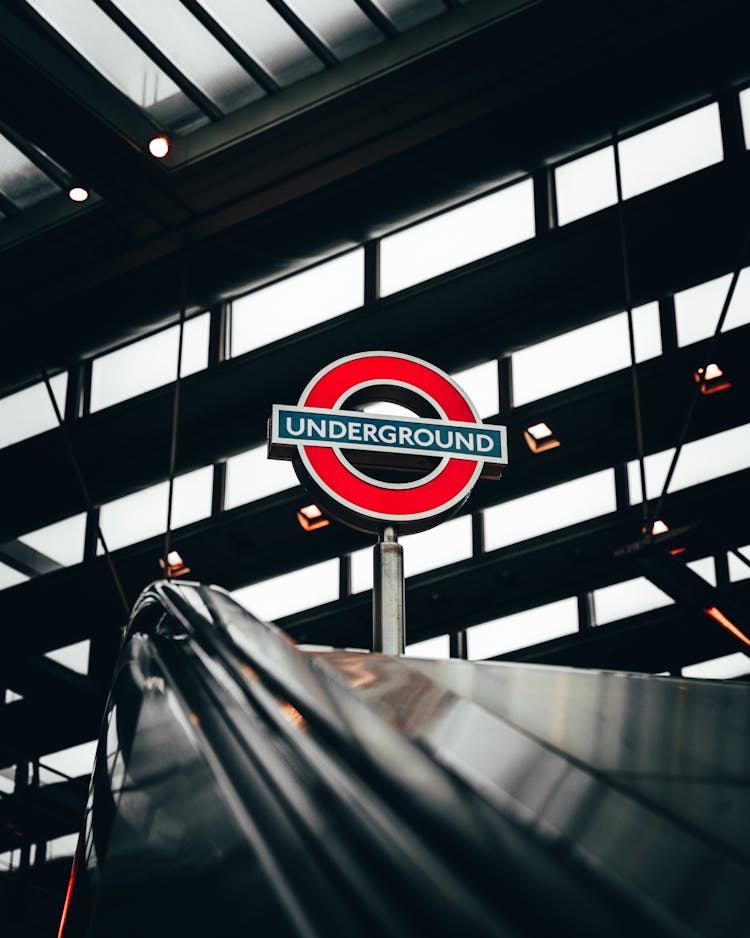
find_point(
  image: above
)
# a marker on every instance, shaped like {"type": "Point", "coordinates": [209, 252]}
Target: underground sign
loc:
{"type": "Point", "coordinates": [350, 459]}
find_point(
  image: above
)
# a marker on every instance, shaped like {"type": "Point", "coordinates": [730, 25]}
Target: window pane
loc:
{"type": "Point", "coordinates": [291, 592]}
{"type": "Point", "coordinates": [96, 37]}
{"type": "Point", "coordinates": [549, 510]}
{"type": "Point", "coordinates": [407, 13]}
{"type": "Point", "coordinates": [179, 35]}
{"type": "Point", "coordinates": [30, 411]}
{"type": "Point", "coordinates": [266, 37]}
{"type": "Point", "coordinates": [728, 666]}
{"type": "Point", "coordinates": [737, 569]}
{"type": "Point", "coordinates": [143, 514]}
{"type": "Point", "coordinates": [75, 657]}
{"type": "Point", "coordinates": [20, 179]}
{"type": "Point", "coordinates": [62, 542]}
{"type": "Point", "coordinates": [627, 599]}
{"type": "Point", "coordinates": [253, 475]}
{"type": "Point", "coordinates": [72, 762]}
{"type": "Point", "coordinates": [522, 629]}
{"type": "Point", "coordinates": [584, 354]}
{"type": "Point", "coordinates": [298, 302]}
{"type": "Point", "coordinates": [697, 310]}
{"type": "Point", "coordinates": [457, 237]}
{"type": "Point", "coordinates": [341, 25]}
{"type": "Point", "coordinates": [64, 846]}
{"type": "Point", "coordinates": [480, 383]}
{"type": "Point", "coordinates": [585, 185]}
{"type": "Point", "coordinates": [701, 460]}
{"type": "Point", "coordinates": [745, 107]}
{"type": "Point", "coordinates": [149, 363]}
{"type": "Point", "coordinates": [706, 568]}
{"type": "Point", "coordinates": [671, 150]}
{"type": "Point", "coordinates": [10, 577]}
{"type": "Point", "coordinates": [438, 647]}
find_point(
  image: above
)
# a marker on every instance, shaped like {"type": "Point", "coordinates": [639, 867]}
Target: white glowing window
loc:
{"type": "Point", "coordinates": [253, 475]}
{"type": "Point", "coordinates": [62, 541]}
{"type": "Point", "coordinates": [28, 412]}
{"type": "Point", "coordinates": [697, 310]}
{"type": "Point", "coordinates": [627, 599]}
{"type": "Point", "coordinates": [737, 569]}
{"type": "Point", "coordinates": [143, 514]}
{"type": "Point", "coordinates": [438, 647]}
{"type": "Point", "coordinates": [585, 185]}
{"type": "Point", "coordinates": [149, 363]}
{"type": "Point", "coordinates": [549, 510]}
{"type": "Point", "coordinates": [728, 666]}
{"type": "Point", "coordinates": [480, 383]}
{"type": "Point", "coordinates": [584, 354]}
{"type": "Point", "coordinates": [705, 568]}
{"type": "Point", "coordinates": [7, 780]}
{"type": "Point", "coordinates": [700, 461]}
{"type": "Point", "coordinates": [427, 550]}
{"type": "Point", "coordinates": [745, 107]}
{"type": "Point", "coordinates": [11, 696]}
{"type": "Point", "coordinates": [522, 629]}
{"type": "Point", "coordinates": [10, 577]}
{"type": "Point", "coordinates": [674, 149]}
{"type": "Point", "coordinates": [457, 237]}
{"type": "Point", "coordinates": [64, 846]}
{"type": "Point", "coordinates": [75, 657]}
{"type": "Point", "coordinates": [70, 763]}
{"type": "Point", "coordinates": [298, 302]}
{"type": "Point", "coordinates": [291, 592]}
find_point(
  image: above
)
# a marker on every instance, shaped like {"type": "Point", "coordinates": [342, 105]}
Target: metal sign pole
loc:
{"type": "Point", "coordinates": [388, 594]}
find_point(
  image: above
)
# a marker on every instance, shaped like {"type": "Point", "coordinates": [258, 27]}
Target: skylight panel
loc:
{"type": "Point", "coordinates": [266, 37]}
{"type": "Point", "coordinates": [252, 475]}
{"type": "Point", "coordinates": [585, 185]}
{"type": "Point", "coordinates": [697, 309]}
{"type": "Point", "coordinates": [21, 181]}
{"type": "Point", "coordinates": [28, 412]}
{"type": "Point", "coordinates": [522, 629]}
{"type": "Point", "coordinates": [341, 25]}
{"type": "Point", "coordinates": [123, 63]}
{"type": "Point", "coordinates": [10, 576]}
{"type": "Point", "coordinates": [291, 592]}
{"type": "Point", "coordinates": [188, 44]}
{"type": "Point", "coordinates": [438, 647]}
{"type": "Point", "coordinates": [61, 542]}
{"type": "Point", "coordinates": [630, 598]}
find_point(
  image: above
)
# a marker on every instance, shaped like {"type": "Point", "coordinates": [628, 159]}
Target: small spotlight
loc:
{"type": "Point", "coordinates": [540, 438]}
{"type": "Point", "coordinates": [175, 565]}
{"type": "Point", "coordinates": [659, 527]}
{"type": "Point", "coordinates": [311, 518]}
{"type": "Point", "coordinates": [158, 147]}
{"type": "Point", "coordinates": [78, 194]}
{"type": "Point", "coordinates": [711, 379]}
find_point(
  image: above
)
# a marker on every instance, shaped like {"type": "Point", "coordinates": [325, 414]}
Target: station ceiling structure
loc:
{"type": "Point", "coordinates": [489, 185]}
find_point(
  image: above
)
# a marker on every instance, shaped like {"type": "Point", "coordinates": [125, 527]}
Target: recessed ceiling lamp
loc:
{"type": "Point", "coordinates": [659, 527]}
{"type": "Point", "coordinates": [311, 518]}
{"type": "Point", "coordinates": [158, 146]}
{"type": "Point", "coordinates": [78, 194]}
{"type": "Point", "coordinates": [711, 379]}
{"type": "Point", "coordinates": [540, 438]}
{"type": "Point", "coordinates": [175, 565]}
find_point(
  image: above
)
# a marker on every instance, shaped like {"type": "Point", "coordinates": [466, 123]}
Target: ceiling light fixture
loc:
{"type": "Point", "coordinates": [311, 518]}
{"type": "Point", "coordinates": [78, 194]}
{"type": "Point", "coordinates": [158, 146]}
{"type": "Point", "coordinates": [540, 438]}
{"type": "Point", "coordinates": [659, 527]}
{"type": "Point", "coordinates": [175, 565]}
{"type": "Point", "coordinates": [711, 379]}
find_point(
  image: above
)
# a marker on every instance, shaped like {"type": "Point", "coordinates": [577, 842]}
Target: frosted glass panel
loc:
{"type": "Point", "coordinates": [671, 150]}
{"type": "Point", "coordinates": [737, 569]}
{"type": "Point", "coordinates": [697, 310]}
{"type": "Point", "coordinates": [457, 237]}
{"type": "Point", "coordinates": [438, 647]}
{"type": "Point", "coordinates": [72, 762]}
{"type": "Point", "coordinates": [551, 509]}
{"type": "Point", "coordinates": [28, 412]}
{"type": "Point", "coordinates": [10, 577]}
{"type": "Point", "coordinates": [291, 592]}
{"type": "Point", "coordinates": [627, 599]}
{"type": "Point", "coordinates": [728, 666]}
{"type": "Point", "coordinates": [705, 568]}
{"type": "Point", "coordinates": [64, 846]}
{"type": "Point", "coordinates": [585, 185]}
{"type": "Point", "coordinates": [253, 475]}
{"type": "Point", "coordinates": [298, 302]}
{"type": "Point", "coordinates": [75, 657]}
{"type": "Point", "coordinates": [480, 383]}
{"type": "Point", "coordinates": [584, 354]}
{"type": "Point", "coordinates": [149, 363]}
{"type": "Point", "coordinates": [62, 542]}
{"type": "Point", "coordinates": [522, 629]}
{"type": "Point", "coordinates": [700, 461]}
{"type": "Point", "coordinates": [745, 106]}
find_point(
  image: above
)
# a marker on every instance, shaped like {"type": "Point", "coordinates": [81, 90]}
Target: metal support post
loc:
{"type": "Point", "coordinates": [388, 595]}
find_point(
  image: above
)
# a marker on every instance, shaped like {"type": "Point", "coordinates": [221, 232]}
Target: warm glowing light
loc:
{"type": "Point", "coordinates": [713, 371]}
{"type": "Point", "coordinates": [311, 518]}
{"type": "Point", "coordinates": [659, 527]}
{"type": "Point", "coordinates": [68, 895]}
{"type": "Point", "coordinates": [539, 431]}
{"type": "Point", "coordinates": [78, 194]}
{"type": "Point", "coordinates": [540, 438]}
{"type": "Point", "coordinates": [710, 379]}
{"type": "Point", "coordinates": [719, 617]}
{"type": "Point", "coordinates": [158, 147]}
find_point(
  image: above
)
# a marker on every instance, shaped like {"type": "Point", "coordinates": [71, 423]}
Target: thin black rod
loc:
{"type": "Point", "coordinates": [266, 81]}
{"type": "Point", "coordinates": [198, 97]}
{"type": "Point", "coordinates": [176, 406]}
{"type": "Point", "coordinates": [376, 16]}
{"type": "Point", "coordinates": [305, 33]}
{"type": "Point", "coordinates": [739, 556]}
{"type": "Point", "coordinates": [85, 492]}
{"type": "Point", "coordinates": [631, 332]}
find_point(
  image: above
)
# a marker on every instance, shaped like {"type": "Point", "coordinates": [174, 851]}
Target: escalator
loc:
{"type": "Point", "coordinates": [245, 786]}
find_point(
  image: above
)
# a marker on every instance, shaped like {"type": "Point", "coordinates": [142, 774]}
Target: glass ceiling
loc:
{"type": "Point", "coordinates": [188, 62]}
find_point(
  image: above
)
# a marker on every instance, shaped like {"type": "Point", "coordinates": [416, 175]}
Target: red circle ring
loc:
{"type": "Point", "coordinates": [417, 505]}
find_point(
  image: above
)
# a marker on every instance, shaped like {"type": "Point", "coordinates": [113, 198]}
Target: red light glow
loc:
{"type": "Point", "coordinates": [68, 894]}
{"type": "Point", "coordinates": [718, 616]}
